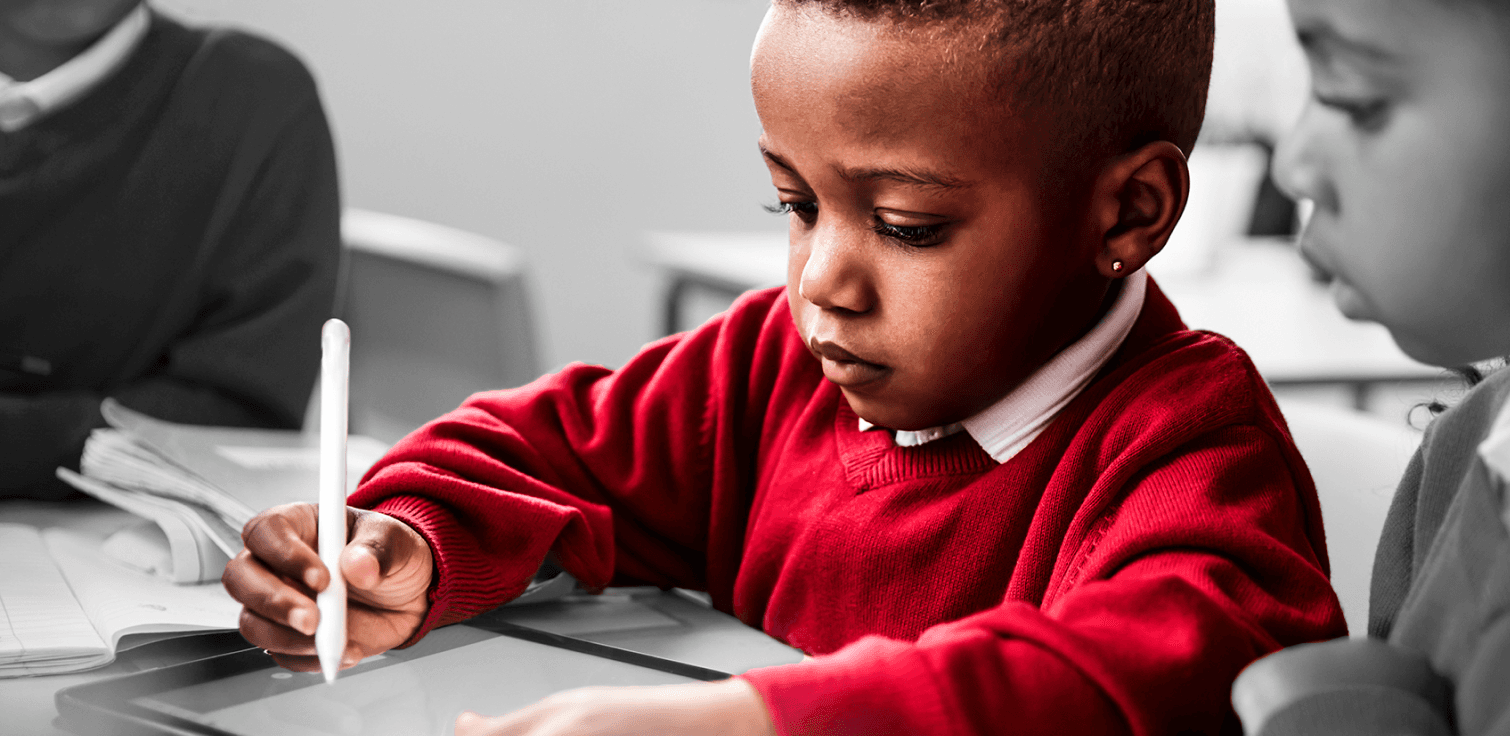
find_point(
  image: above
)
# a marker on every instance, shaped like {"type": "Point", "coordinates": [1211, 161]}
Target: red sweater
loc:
{"type": "Point", "coordinates": [1114, 576]}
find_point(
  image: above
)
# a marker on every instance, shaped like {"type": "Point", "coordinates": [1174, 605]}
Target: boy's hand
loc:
{"type": "Point", "coordinates": [387, 566]}
{"type": "Point", "coordinates": [727, 708]}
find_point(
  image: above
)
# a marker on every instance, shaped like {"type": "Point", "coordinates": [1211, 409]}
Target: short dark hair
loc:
{"type": "Point", "coordinates": [1124, 72]}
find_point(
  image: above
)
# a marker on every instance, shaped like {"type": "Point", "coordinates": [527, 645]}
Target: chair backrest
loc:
{"type": "Point", "coordinates": [1356, 460]}
{"type": "Point", "coordinates": [436, 314]}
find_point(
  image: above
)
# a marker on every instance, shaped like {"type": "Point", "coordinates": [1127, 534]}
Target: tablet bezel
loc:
{"type": "Point", "coordinates": [105, 706]}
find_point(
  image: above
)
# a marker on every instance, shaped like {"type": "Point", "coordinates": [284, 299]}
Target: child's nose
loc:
{"type": "Point", "coordinates": [834, 275]}
{"type": "Point", "coordinates": [1300, 162]}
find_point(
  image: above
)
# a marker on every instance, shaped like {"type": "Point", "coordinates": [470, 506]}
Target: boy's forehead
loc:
{"type": "Point", "coordinates": [879, 48]}
{"type": "Point", "coordinates": [894, 94]}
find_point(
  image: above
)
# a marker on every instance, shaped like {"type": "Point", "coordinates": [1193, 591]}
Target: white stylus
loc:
{"type": "Point", "coordinates": [335, 374]}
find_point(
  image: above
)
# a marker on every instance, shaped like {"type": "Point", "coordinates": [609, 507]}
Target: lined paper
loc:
{"type": "Point", "coordinates": [64, 605]}
{"type": "Point", "coordinates": [43, 623]}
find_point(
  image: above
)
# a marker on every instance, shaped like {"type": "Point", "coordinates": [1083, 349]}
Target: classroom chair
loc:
{"type": "Point", "coordinates": [436, 314]}
{"type": "Point", "coordinates": [1356, 460]}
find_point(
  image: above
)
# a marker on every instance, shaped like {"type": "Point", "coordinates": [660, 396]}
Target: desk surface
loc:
{"type": "Point", "coordinates": [1258, 293]}
{"type": "Point", "coordinates": [666, 625]}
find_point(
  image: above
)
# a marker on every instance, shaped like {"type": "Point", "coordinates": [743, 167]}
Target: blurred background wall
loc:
{"type": "Point", "coordinates": [569, 127]}
{"type": "Point", "coordinates": [565, 127]}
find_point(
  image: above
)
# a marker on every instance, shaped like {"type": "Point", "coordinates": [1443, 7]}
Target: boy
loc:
{"type": "Point", "coordinates": [968, 458]}
{"type": "Point", "coordinates": [169, 228]}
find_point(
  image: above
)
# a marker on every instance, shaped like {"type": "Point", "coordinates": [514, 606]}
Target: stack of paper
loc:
{"type": "Point", "coordinates": [65, 607]}
{"type": "Point", "coordinates": [200, 485]}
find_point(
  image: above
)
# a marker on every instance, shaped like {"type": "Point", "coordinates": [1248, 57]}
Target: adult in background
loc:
{"type": "Point", "coordinates": [169, 228]}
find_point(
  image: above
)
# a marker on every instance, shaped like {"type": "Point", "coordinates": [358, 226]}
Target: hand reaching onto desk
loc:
{"type": "Point", "coordinates": [388, 569]}
{"type": "Point", "coordinates": [726, 708]}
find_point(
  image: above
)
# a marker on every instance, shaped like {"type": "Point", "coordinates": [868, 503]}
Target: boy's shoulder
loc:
{"type": "Point", "coordinates": [1168, 374]}
{"type": "Point", "coordinates": [245, 64]}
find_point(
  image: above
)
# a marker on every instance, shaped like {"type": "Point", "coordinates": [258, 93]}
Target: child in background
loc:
{"type": "Point", "coordinates": [969, 457]}
{"type": "Point", "coordinates": [169, 228]}
{"type": "Point", "coordinates": [1405, 152]}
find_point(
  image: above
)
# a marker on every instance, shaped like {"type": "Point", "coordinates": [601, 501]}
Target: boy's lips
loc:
{"type": "Point", "coordinates": [843, 367]}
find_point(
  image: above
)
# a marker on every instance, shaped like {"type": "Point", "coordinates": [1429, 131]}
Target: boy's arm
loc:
{"type": "Point", "coordinates": [1203, 566]}
{"type": "Point", "coordinates": [611, 470]}
{"type": "Point", "coordinates": [249, 359]}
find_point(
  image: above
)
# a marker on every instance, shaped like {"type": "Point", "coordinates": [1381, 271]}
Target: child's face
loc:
{"type": "Point", "coordinates": [1405, 150]}
{"type": "Point", "coordinates": [929, 271]}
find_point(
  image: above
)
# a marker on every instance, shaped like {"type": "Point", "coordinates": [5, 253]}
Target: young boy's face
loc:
{"type": "Point", "coordinates": [930, 271]}
{"type": "Point", "coordinates": [1405, 150]}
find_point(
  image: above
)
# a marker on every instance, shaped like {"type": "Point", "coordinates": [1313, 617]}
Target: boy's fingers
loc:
{"type": "Point", "coordinates": [296, 662]}
{"type": "Point", "coordinates": [268, 595]}
{"type": "Point", "coordinates": [283, 539]}
{"type": "Point", "coordinates": [274, 637]}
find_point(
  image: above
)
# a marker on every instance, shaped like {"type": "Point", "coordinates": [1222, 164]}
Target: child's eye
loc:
{"type": "Point", "coordinates": [918, 236]}
{"type": "Point", "coordinates": [806, 210]}
{"type": "Point", "coordinates": [1366, 114]}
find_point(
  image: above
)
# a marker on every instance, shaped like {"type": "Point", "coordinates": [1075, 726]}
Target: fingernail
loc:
{"type": "Point", "coordinates": [304, 620]}
{"type": "Point", "coordinates": [312, 578]}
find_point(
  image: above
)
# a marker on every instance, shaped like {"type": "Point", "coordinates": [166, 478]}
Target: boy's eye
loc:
{"type": "Point", "coordinates": [918, 236]}
{"type": "Point", "coordinates": [806, 210]}
{"type": "Point", "coordinates": [1365, 114]}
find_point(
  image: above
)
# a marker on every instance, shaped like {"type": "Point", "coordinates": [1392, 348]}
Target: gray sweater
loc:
{"type": "Point", "coordinates": [1440, 597]}
{"type": "Point", "coordinates": [172, 240]}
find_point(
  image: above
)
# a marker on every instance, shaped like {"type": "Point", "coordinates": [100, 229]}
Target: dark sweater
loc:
{"type": "Point", "coordinates": [172, 240]}
{"type": "Point", "coordinates": [1112, 577]}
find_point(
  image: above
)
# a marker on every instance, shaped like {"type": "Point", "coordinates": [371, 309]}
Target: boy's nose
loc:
{"type": "Point", "coordinates": [1300, 162]}
{"type": "Point", "coordinates": [834, 275]}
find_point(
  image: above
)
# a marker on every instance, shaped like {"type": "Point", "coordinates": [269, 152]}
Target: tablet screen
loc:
{"type": "Point", "coordinates": [419, 690]}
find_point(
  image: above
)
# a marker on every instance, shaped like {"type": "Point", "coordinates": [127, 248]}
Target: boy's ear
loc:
{"type": "Point", "coordinates": [1135, 203]}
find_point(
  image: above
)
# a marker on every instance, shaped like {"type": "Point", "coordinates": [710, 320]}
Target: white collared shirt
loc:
{"type": "Point", "coordinates": [1005, 427]}
{"type": "Point", "coordinates": [22, 103]}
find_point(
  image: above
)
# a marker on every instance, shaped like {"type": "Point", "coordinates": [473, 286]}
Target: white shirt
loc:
{"type": "Point", "coordinates": [22, 103]}
{"type": "Point", "coordinates": [1005, 427]}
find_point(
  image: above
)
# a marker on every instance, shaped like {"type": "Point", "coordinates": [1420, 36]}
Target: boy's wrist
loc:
{"type": "Point", "coordinates": [745, 710]}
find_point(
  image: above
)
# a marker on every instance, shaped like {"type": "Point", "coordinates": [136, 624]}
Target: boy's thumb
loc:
{"type": "Point", "coordinates": [367, 556]}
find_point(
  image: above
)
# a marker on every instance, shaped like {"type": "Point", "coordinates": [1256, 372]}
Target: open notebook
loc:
{"type": "Point", "coordinates": [65, 606]}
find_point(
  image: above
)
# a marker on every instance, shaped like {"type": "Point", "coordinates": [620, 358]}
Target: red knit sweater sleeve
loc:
{"type": "Point", "coordinates": [608, 469]}
{"type": "Point", "coordinates": [1202, 566]}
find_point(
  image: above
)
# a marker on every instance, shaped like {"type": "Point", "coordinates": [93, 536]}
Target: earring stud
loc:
{"type": "Point", "coordinates": [1117, 266]}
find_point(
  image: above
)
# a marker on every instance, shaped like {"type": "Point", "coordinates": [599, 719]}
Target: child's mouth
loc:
{"type": "Point", "coordinates": [843, 367]}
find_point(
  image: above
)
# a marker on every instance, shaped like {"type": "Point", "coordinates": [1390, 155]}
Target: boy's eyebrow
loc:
{"type": "Point", "coordinates": [913, 177]}
{"type": "Point", "coordinates": [1320, 37]}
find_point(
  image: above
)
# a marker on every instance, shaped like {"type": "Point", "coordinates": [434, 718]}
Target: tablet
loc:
{"type": "Point", "coordinates": [419, 690]}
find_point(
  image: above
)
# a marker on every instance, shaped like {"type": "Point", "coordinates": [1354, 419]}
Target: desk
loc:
{"type": "Point", "coordinates": [664, 624]}
{"type": "Point", "coordinates": [1258, 293]}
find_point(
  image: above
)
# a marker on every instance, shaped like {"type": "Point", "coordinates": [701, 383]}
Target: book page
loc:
{"type": "Point", "coordinates": [39, 618]}
{"type": "Point", "coordinates": [123, 601]}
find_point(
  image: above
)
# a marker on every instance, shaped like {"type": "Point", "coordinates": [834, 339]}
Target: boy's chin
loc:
{"type": "Point", "coordinates": [882, 413]}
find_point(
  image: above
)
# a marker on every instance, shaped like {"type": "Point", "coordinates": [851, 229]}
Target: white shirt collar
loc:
{"type": "Point", "coordinates": [1007, 426]}
{"type": "Point", "coordinates": [22, 103]}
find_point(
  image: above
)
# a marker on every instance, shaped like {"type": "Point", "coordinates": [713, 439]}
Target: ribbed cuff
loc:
{"type": "Point", "coordinates": [464, 584]}
{"type": "Point", "coordinates": [874, 687]}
